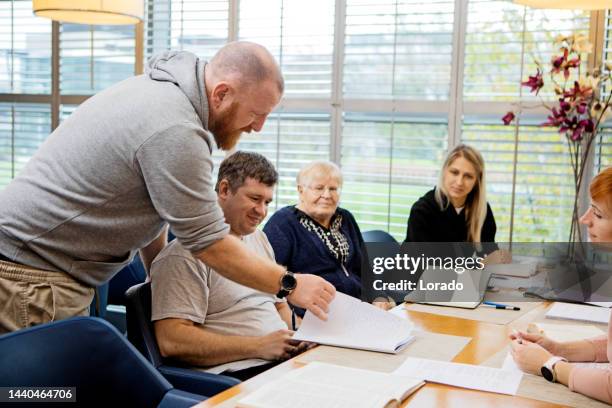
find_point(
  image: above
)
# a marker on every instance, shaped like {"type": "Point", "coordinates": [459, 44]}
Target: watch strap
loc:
{"type": "Point", "coordinates": [548, 369]}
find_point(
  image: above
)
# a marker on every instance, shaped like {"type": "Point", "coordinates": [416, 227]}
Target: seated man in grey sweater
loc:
{"type": "Point", "coordinates": [207, 320]}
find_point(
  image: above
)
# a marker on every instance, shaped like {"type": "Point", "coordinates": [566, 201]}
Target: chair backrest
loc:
{"type": "Point", "coordinates": [83, 352]}
{"type": "Point", "coordinates": [378, 236]}
{"type": "Point", "coordinates": [130, 275]}
{"type": "Point", "coordinates": [139, 326]}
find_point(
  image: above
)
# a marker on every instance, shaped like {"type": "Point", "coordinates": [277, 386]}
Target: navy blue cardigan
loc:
{"type": "Point", "coordinates": [302, 251]}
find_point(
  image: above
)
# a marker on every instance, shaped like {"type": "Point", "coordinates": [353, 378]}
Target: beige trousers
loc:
{"type": "Point", "coordinates": [30, 296]}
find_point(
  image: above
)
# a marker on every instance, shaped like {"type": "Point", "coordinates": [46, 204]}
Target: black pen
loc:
{"type": "Point", "coordinates": [293, 320]}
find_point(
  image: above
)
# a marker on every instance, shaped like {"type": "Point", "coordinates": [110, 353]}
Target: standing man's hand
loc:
{"type": "Point", "coordinates": [312, 293]}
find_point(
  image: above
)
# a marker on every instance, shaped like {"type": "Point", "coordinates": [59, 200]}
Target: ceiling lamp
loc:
{"type": "Point", "coordinates": [567, 4]}
{"type": "Point", "coordinates": [91, 11]}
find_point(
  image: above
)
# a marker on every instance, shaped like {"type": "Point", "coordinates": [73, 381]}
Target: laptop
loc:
{"type": "Point", "coordinates": [474, 282]}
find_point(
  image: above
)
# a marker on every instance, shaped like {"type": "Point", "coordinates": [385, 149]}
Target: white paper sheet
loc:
{"type": "Point", "coordinates": [510, 364]}
{"type": "Point", "coordinates": [570, 311]}
{"type": "Point", "coordinates": [463, 375]}
{"type": "Point", "coordinates": [320, 385]}
{"type": "Point", "coordinates": [356, 324]}
{"type": "Point", "coordinates": [399, 311]}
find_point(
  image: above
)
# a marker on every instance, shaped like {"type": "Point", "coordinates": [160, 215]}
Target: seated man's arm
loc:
{"type": "Point", "coordinates": [184, 340]}
{"type": "Point", "coordinates": [148, 253]}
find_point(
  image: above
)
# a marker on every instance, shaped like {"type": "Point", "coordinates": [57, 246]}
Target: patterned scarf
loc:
{"type": "Point", "coordinates": [332, 238]}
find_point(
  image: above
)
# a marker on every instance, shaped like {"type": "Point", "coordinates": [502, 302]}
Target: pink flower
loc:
{"type": "Point", "coordinates": [535, 82]}
{"type": "Point", "coordinates": [575, 129]}
{"type": "Point", "coordinates": [574, 63]}
{"type": "Point", "coordinates": [579, 92]}
{"type": "Point", "coordinates": [564, 106]}
{"type": "Point", "coordinates": [561, 63]}
{"type": "Point", "coordinates": [556, 119]}
{"type": "Point", "coordinates": [508, 118]}
{"type": "Point", "coordinates": [557, 63]}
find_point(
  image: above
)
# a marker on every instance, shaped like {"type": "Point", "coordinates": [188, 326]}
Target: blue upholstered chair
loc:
{"type": "Point", "coordinates": [90, 354]}
{"type": "Point", "coordinates": [141, 334]}
{"type": "Point", "coordinates": [378, 236]}
{"type": "Point", "coordinates": [109, 301]}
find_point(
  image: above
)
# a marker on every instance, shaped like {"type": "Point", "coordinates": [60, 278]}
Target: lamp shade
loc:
{"type": "Point", "coordinates": [567, 4]}
{"type": "Point", "coordinates": [91, 11]}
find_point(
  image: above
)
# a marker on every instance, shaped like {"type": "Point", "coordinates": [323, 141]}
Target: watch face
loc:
{"type": "Point", "coordinates": [288, 282]}
{"type": "Point", "coordinates": [546, 373]}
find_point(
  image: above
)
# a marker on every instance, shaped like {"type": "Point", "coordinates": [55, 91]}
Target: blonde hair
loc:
{"type": "Point", "coordinates": [318, 167]}
{"type": "Point", "coordinates": [476, 202]}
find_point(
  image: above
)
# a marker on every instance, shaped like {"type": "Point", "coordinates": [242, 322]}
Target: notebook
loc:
{"type": "Point", "coordinates": [355, 324]}
{"type": "Point", "coordinates": [584, 313]}
{"type": "Point", "coordinates": [321, 385]}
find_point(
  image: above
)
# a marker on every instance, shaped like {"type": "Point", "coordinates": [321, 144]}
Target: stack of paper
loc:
{"type": "Point", "coordinates": [463, 375]}
{"type": "Point", "coordinates": [570, 311]}
{"type": "Point", "coordinates": [320, 385]}
{"type": "Point", "coordinates": [355, 324]}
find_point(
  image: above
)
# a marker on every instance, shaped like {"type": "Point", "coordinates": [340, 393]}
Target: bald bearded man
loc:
{"type": "Point", "coordinates": [127, 163]}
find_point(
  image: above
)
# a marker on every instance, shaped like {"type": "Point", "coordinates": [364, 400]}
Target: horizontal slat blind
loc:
{"type": "Point", "coordinates": [398, 49]}
{"type": "Point", "coordinates": [23, 127]}
{"type": "Point", "coordinates": [300, 35]}
{"type": "Point", "coordinates": [388, 164]}
{"type": "Point", "coordinates": [603, 148]}
{"type": "Point", "coordinates": [192, 25]}
{"type": "Point", "coordinates": [290, 140]}
{"type": "Point", "coordinates": [93, 58]}
{"type": "Point", "coordinates": [543, 197]}
{"type": "Point", "coordinates": [25, 50]}
{"type": "Point", "coordinates": [494, 43]}
{"type": "Point", "coordinates": [390, 155]}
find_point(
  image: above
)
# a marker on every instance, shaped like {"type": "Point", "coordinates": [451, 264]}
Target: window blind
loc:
{"type": "Point", "coordinates": [501, 41]}
{"type": "Point", "coordinates": [300, 35]}
{"type": "Point", "coordinates": [25, 69]}
{"type": "Point", "coordinates": [394, 51]}
{"type": "Point", "coordinates": [398, 49]}
{"type": "Point", "coordinates": [25, 50]}
{"type": "Point", "coordinates": [192, 25]}
{"type": "Point", "coordinates": [23, 127]}
{"type": "Point", "coordinates": [93, 58]}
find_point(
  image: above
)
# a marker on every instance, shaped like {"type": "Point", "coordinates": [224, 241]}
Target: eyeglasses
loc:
{"type": "Point", "coordinates": [320, 190]}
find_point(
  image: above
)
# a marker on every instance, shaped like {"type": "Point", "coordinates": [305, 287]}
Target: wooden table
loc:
{"type": "Point", "coordinates": [487, 339]}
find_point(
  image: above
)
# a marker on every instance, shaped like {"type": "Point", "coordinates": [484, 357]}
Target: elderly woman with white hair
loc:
{"type": "Point", "coordinates": [316, 236]}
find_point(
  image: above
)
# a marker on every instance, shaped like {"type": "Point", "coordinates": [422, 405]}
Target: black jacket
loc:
{"type": "Point", "coordinates": [427, 223]}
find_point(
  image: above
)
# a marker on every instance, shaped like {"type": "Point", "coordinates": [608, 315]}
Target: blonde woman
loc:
{"type": "Point", "coordinates": [456, 210]}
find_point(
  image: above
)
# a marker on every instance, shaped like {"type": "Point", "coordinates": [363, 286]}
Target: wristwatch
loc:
{"type": "Point", "coordinates": [548, 369]}
{"type": "Point", "coordinates": [287, 285]}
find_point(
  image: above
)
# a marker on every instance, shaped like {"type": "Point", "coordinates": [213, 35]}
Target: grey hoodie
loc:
{"type": "Point", "coordinates": [130, 159]}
